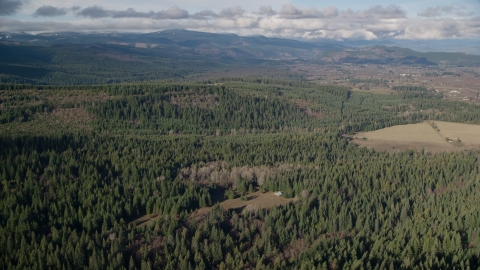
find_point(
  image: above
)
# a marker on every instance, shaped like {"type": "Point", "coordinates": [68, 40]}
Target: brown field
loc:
{"type": "Point", "coordinates": [422, 136]}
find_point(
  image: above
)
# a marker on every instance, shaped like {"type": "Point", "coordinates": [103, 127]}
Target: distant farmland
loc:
{"type": "Point", "coordinates": [433, 136]}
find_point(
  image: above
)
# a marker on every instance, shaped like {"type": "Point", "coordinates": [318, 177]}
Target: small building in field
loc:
{"type": "Point", "coordinates": [278, 193]}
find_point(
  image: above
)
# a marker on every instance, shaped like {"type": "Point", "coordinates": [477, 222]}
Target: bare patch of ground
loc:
{"type": "Point", "coordinates": [57, 97]}
{"type": "Point", "coordinates": [144, 220]}
{"type": "Point", "coordinates": [255, 200]}
{"type": "Point", "coordinates": [422, 136]}
{"type": "Point", "coordinates": [76, 117]}
{"type": "Point", "coordinates": [305, 106]}
{"type": "Point", "coordinates": [377, 90]}
{"type": "Point", "coordinates": [71, 119]}
{"type": "Point", "coordinates": [224, 176]}
{"type": "Point", "coordinates": [263, 200]}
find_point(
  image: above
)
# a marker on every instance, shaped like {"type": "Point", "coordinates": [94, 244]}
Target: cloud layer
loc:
{"type": "Point", "coordinates": [289, 21]}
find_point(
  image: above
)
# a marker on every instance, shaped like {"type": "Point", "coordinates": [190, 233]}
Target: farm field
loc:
{"type": "Point", "coordinates": [422, 136]}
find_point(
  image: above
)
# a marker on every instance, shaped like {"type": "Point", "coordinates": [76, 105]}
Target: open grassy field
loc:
{"type": "Point", "coordinates": [444, 136]}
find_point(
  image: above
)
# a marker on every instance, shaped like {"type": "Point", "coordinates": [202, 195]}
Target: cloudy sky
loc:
{"type": "Point", "coordinates": [306, 19]}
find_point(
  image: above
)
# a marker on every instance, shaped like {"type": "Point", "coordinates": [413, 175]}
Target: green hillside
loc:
{"type": "Point", "coordinates": [117, 157]}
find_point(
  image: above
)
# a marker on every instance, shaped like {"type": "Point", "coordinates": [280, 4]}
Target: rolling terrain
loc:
{"type": "Point", "coordinates": [163, 150]}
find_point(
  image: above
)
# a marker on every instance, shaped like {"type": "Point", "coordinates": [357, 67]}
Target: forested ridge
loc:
{"type": "Point", "coordinates": [80, 163]}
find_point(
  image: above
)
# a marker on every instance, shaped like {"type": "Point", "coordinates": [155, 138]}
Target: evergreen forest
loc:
{"type": "Point", "coordinates": [81, 163]}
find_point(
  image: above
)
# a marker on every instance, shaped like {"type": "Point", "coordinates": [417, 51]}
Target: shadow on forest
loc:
{"type": "Point", "coordinates": [218, 196]}
{"type": "Point", "coordinates": [238, 210]}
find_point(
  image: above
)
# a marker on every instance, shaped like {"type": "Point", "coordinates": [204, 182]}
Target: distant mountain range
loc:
{"type": "Point", "coordinates": [113, 57]}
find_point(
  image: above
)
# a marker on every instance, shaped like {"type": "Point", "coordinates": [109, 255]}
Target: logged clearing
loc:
{"type": "Point", "coordinates": [70, 119]}
{"type": "Point", "coordinates": [377, 90]}
{"type": "Point", "coordinates": [258, 199]}
{"type": "Point", "coordinates": [255, 200]}
{"type": "Point", "coordinates": [432, 136]}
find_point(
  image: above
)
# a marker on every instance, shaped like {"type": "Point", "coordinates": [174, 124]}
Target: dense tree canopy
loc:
{"type": "Point", "coordinates": [79, 164]}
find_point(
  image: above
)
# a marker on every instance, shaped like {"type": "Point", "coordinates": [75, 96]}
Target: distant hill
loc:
{"type": "Point", "coordinates": [468, 46]}
{"type": "Point", "coordinates": [397, 56]}
{"type": "Point", "coordinates": [190, 42]}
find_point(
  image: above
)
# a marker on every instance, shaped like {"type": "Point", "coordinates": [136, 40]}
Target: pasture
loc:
{"type": "Point", "coordinates": [432, 136]}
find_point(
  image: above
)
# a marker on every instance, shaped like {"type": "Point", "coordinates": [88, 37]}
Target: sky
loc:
{"type": "Point", "coordinates": [300, 19]}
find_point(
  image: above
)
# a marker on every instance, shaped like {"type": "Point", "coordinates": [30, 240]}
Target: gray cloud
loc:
{"type": "Point", "coordinates": [9, 7]}
{"type": "Point", "coordinates": [15, 25]}
{"type": "Point", "coordinates": [439, 11]}
{"type": "Point", "coordinates": [171, 13]}
{"type": "Point", "coordinates": [94, 12]}
{"type": "Point", "coordinates": [432, 12]}
{"type": "Point", "coordinates": [49, 11]}
{"type": "Point", "coordinates": [267, 10]}
{"type": "Point", "coordinates": [231, 12]}
{"type": "Point", "coordinates": [204, 15]}
{"type": "Point", "coordinates": [293, 12]}
{"type": "Point", "coordinates": [330, 11]}
{"type": "Point", "coordinates": [389, 12]}
{"type": "Point", "coordinates": [131, 13]}
{"type": "Point", "coordinates": [375, 13]}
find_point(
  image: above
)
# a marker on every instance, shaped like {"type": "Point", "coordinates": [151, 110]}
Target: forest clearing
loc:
{"type": "Point", "coordinates": [432, 136]}
{"type": "Point", "coordinates": [255, 200]}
